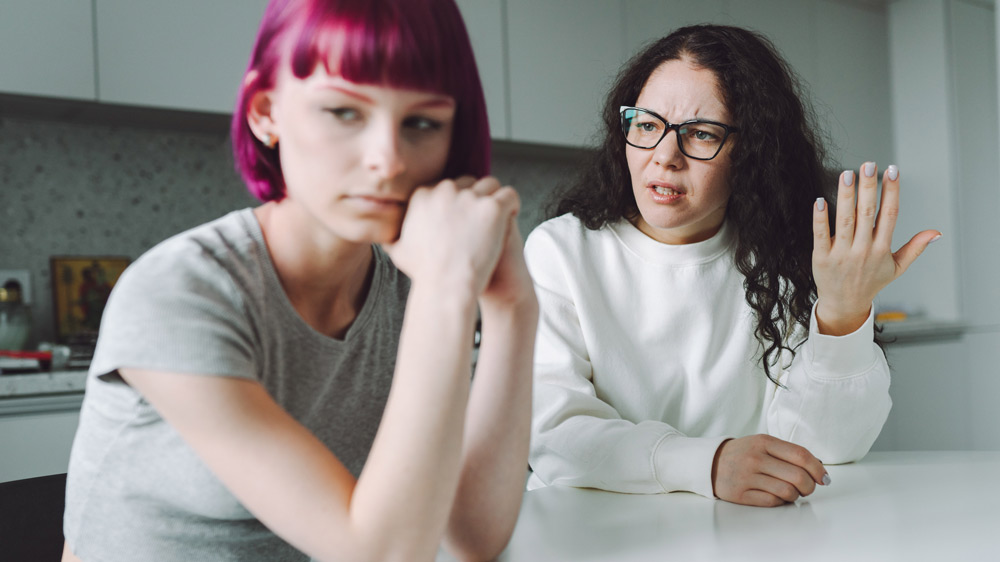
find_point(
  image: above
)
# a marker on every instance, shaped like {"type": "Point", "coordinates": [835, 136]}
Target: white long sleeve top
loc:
{"type": "Point", "coordinates": [646, 361]}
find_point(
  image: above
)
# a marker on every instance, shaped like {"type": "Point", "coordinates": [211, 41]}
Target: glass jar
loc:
{"type": "Point", "coordinates": [15, 318]}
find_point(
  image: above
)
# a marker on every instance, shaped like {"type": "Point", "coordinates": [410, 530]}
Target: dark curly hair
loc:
{"type": "Point", "coordinates": [777, 170]}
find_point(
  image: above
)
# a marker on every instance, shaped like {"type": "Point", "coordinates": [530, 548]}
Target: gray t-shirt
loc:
{"type": "Point", "coordinates": [209, 302]}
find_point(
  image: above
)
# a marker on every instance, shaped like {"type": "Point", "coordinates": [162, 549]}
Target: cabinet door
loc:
{"type": "Point", "coordinates": [182, 54]}
{"type": "Point", "coordinates": [47, 48]}
{"type": "Point", "coordinates": [851, 82]}
{"type": "Point", "coordinates": [36, 444]}
{"type": "Point", "coordinates": [649, 20]}
{"type": "Point", "coordinates": [484, 21]}
{"type": "Point", "coordinates": [563, 57]}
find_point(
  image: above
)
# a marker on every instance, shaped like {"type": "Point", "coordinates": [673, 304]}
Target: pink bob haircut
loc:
{"type": "Point", "coordinates": [407, 44]}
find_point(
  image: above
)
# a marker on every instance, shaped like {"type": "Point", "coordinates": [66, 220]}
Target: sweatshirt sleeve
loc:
{"type": "Point", "coordinates": [836, 398]}
{"type": "Point", "coordinates": [577, 438]}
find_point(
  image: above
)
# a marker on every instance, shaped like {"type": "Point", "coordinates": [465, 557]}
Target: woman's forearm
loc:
{"type": "Point", "coordinates": [495, 452]}
{"type": "Point", "coordinates": [407, 487]}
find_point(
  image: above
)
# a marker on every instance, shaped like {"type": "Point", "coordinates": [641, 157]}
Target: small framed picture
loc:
{"type": "Point", "coordinates": [80, 289]}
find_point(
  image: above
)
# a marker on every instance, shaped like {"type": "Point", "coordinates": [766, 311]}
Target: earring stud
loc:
{"type": "Point", "coordinates": [269, 140]}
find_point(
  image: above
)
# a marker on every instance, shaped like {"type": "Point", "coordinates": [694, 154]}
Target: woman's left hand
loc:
{"type": "Point", "coordinates": [510, 284]}
{"type": "Point", "coordinates": [858, 262]}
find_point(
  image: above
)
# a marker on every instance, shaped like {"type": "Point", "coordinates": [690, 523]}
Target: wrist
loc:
{"type": "Point", "coordinates": [455, 299]}
{"type": "Point", "coordinates": [522, 306]}
{"type": "Point", "coordinates": [840, 321]}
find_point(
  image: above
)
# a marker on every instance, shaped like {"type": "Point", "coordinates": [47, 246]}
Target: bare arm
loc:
{"type": "Point", "coordinates": [398, 508]}
{"type": "Point", "coordinates": [498, 423]}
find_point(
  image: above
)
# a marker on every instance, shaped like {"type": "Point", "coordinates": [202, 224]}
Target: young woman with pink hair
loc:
{"type": "Point", "coordinates": [269, 386]}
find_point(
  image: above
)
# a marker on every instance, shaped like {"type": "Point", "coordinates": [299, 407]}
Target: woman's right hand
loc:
{"type": "Point", "coordinates": [765, 471]}
{"type": "Point", "coordinates": [455, 231]}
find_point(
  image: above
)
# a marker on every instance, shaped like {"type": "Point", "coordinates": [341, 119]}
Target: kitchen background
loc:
{"type": "Point", "coordinates": [113, 136]}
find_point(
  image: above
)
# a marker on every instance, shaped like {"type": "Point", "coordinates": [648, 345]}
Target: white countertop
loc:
{"type": "Point", "coordinates": [911, 506]}
{"type": "Point", "coordinates": [44, 383]}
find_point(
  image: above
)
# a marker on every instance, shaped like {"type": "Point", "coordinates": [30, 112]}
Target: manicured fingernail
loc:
{"type": "Point", "coordinates": [893, 172]}
{"type": "Point", "coordinates": [848, 177]}
{"type": "Point", "coordinates": [869, 169]}
{"type": "Point", "coordinates": [935, 239]}
{"type": "Point", "coordinates": [826, 480]}
{"type": "Point", "coordinates": [820, 204]}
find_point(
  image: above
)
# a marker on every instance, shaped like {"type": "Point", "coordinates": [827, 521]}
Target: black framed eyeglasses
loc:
{"type": "Point", "coordinates": [698, 138]}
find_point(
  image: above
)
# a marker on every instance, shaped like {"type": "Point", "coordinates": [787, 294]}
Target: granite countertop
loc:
{"type": "Point", "coordinates": [42, 384]}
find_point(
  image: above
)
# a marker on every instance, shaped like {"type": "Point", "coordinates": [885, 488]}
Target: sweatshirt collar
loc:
{"type": "Point", "coordinates": [670, 254]}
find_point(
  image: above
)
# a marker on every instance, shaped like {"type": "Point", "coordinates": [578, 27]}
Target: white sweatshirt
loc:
{"type": "Point", "coordinates": [646, 361]}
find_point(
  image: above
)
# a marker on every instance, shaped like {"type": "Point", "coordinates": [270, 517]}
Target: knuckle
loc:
{"type": "Point", "coordinates": [805, 484]}
{"type": "Point", "coordinates": [788, 492]}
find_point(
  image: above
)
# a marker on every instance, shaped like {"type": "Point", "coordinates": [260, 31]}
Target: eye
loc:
{"type": "Point", "coordinates": [423, 124]}
{"type": "Point", "coordinates": [647, 127]}
{"type": "Point", "coordinates": [704, 135]}
{"type": "Point", "coordinates": [346, 114]}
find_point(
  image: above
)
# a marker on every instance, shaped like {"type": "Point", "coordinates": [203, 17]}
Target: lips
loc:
{"type": "Point", "coordinates": [374, 203]}
{"type": "Point", "coordinates": [665, 192]}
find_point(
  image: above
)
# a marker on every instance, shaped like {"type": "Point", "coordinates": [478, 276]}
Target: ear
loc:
{"type": "Point", "coordinates": [259, 112]}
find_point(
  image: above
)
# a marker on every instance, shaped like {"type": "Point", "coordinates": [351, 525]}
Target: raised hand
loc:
{"type": "Point", "coordinates": [765, 471]}
{"type": "Point", "coordinates": [455, 231]}
{"type": "Point", "coordinates": [858, 262]}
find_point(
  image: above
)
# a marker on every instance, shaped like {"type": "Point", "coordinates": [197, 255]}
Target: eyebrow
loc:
{"type": "Point", "coordinates": [348, 92]}
{"type": "Point", "coordinates": [431, 103]}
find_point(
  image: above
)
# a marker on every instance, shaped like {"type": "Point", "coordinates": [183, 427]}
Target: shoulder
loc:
{"type": "Point", "coordinates": [562, 249]}
{"type": "Point", "coordinates": [564, 234]}
{"type": "Point", "coordinates": [215, 261]}
{"type": "Point", "coordinates": [226, 244]}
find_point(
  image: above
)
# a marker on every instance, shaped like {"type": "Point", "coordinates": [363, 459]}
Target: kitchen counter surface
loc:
{"type": "Point", "coordinates": [42, 384]}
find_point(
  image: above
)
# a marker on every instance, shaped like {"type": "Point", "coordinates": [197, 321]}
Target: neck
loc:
{"type": "Point", "coordinates": [326, 278]}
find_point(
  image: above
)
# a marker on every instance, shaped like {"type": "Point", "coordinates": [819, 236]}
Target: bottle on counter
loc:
{"type": "Point", "coordinates": [15, 317]}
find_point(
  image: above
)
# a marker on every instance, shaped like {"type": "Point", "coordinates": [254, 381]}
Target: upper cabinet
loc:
{"type": "Point", "coordinates": [563, 56]}
{"type": "Point", "coordinates": [545, 65]}
{"type": "Point", "coordinates": [47, 48]}
{"type": "Point", "coordinates": [182, 54]}
{"type": "Point", "coordinates": [484, 21]}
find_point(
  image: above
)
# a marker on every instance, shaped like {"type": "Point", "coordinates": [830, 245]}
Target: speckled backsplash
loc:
{"type": "Point", "coordinates": [82, 188]}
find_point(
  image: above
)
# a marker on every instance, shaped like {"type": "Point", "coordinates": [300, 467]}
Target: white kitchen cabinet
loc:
{"type": "Point", "coordinates": [649, 20]}
{"type": "Point", "coordinates": [484, 22]}
{"type": "Point", "coordinates": [36, 444]}
{"type": "Point", "coordinates": [564, 55]}
{"type": "Point", "coordinates": [183, 54]}
{"type": "Point", "coordinates": [850, 84]}
{"type": "Point", "coordinates": [973, 67]}
{"type": "Point", "coordinates": [47, 48]}
{"type": "Point", "coordinates": [931, 403]}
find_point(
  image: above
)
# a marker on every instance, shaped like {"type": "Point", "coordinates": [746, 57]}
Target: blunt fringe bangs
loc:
{"type": "Point", "coordinates": [408, 44]}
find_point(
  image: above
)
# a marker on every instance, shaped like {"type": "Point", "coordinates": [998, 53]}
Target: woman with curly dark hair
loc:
{"type": "Point", "coordinates": [700, 328]}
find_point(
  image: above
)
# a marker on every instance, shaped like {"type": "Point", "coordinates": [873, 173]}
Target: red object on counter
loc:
{"type": "Point", "coordinates": [24, 361]}
{"type": "Point", "coordinates": [40, 355]}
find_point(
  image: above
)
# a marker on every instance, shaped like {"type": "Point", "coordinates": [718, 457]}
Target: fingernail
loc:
{"type": "Point", "coordinates": [826, 479]}
{"type": "Point", "coordinates": [848, 177]}
{"type": "Point", "coordinates": [893, 172]}
{"type": "Point", "coordinates": [935, 239]}
{"type": "Point", "coordinates": [820, 204]}
{"type": "Point", "coordinates": [869, 169]}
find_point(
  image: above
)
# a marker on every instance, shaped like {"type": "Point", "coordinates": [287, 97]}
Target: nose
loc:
{"type": "Point", "coordinates": [382, 153]}
{"type": "Point", "coordinates": [668, 152]}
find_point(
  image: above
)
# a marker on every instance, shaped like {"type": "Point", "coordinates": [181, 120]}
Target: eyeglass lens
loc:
{"type": "Point", "coordinates": [697, 140]}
